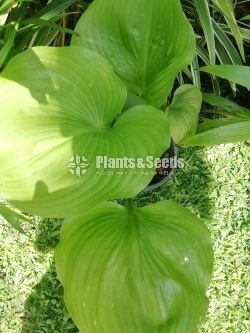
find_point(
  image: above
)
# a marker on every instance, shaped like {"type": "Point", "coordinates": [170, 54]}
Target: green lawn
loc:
{"type": "Point", "coordinates": [215, 184]}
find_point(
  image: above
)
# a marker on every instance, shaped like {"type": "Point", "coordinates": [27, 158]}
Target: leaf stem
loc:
{"type": "Point", "coordinates": [130, 203]}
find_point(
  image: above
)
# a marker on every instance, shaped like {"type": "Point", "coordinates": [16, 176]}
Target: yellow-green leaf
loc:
{"type": "Point", "coordinates": [147, 42]}
{"type": "Point", "coordinates": [60, 109]}
{"type": "Point", "coordinates": [132, 270]}
{"type": "Point", "coordinates": [184, 111]}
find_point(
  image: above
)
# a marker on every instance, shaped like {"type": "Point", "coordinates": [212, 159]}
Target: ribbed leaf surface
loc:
{"type": "Point", "coordinates": [147, 42]}
{"type": "Point", "coordinates": [132, 270]}
{"type": "Point", "coordinates": [64, 109]}
{"type": "Point", "coordinates": [184, 111]}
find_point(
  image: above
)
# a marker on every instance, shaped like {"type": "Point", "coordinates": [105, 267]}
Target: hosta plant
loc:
{"type": "Point", "coordinates": [123, 269]}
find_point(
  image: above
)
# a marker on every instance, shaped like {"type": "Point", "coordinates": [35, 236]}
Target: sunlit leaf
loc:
{"type": "Point", "coordinates": [183, 112]}
{"type": "Point", "coordinates": [132, 270]}
{"type": "Point", "coordinates": [220, 131]}
{"type": "Point", "coordinates": [65, 105]}
{"type": "Point", "coordinates": [12, 217]}
{"type": "Point", "coordinates": [238, 74]}
{"type": "Point", "coordinates": [147, 45]}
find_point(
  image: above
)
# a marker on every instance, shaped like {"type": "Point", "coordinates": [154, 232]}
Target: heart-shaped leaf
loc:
{"type": "Point", "coordinates": [184, 111]}
{"type": "Point", "coordinates": [56, 118]}
{"type": "Point", "coordinates": [132, 270]}
{"type": "Point", "coordinates": [147, 42]}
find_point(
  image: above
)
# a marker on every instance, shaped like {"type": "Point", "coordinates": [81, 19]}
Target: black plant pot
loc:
{"type": "Point", "coordinates": [163, 174]}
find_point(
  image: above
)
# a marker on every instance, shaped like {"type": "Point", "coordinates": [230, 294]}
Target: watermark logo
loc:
{"type": "Point", "coordinates": [105, 165]}
{"type": "Point", "coordinates": [149, 162]}
{"type": "Point", "coordinates": [78, 165]}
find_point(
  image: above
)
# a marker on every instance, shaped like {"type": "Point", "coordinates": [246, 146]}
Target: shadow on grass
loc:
{"type": "Point", "coordinates": [188, 186]}
{"type": "Point", "coordinates": [44, 308]}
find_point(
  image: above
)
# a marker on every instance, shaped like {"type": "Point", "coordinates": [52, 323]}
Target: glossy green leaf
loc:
{"type": "Point", "coordinates": [147, 43]}
{"type": "Point", "coordinates": [235, 73]}
{"type": "Point", "coordinates": [184, 111]}
{"type": "Point", "coordinates": [220, 131]}
{"type": "Point", "coordinates": [12, 217]}
{"type": "Point", "coordinates": [62, 111]}
{"type": "Point", "coordinates": [132, 270]}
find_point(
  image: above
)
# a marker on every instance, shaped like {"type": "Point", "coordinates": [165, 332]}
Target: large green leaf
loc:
{"type": "Point", "coordinates": [235, 73]}
{"type": "Point", "coordinates": [59, 114]}
{"type": "Point", "coordinates": [184, 111]}
{"type": "Point", "coordinates": [147, 42]}
{"type": "Point", "coordinates": [132, 270]}
{"type": "Point", "coordinates": [220, 131]}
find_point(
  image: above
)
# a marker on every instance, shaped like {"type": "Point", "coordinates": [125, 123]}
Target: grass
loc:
{"type": "Point", "coordinates": [215, 184]}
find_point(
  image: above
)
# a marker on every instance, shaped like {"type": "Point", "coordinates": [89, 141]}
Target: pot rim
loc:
{"type": "Point", "coordinates": [173, 153]}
